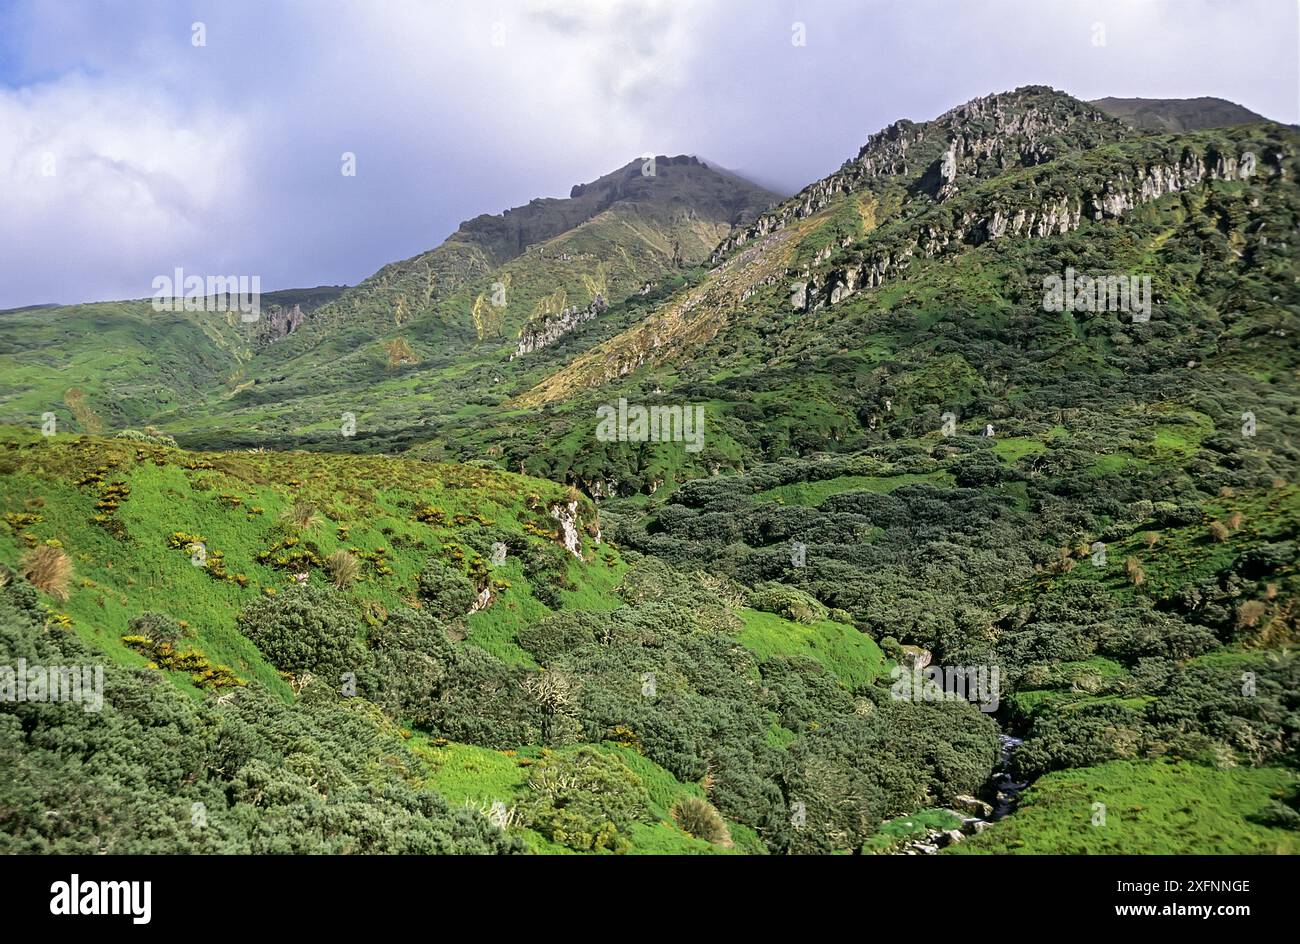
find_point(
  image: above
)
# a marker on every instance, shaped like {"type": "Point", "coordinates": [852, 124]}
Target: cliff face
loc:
{"type": "Point", "coordinates": [1027, 165]}
{"type": "Point", "coordinates": [280, 322]}
{"type": "Point", "coordinates": [545, 331]}
{"type": "Point", "coordinates": [1039, 204]}
{"type": "Point", "coordinates": [982, 138]}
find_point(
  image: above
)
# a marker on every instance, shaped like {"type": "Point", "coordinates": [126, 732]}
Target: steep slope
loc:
{"type": "Point", "coordinates": [1164, 115]}
{"type": "Point", "coordinates": [930, 458]}
{"type": "Point", "coordinates": [614, 233]}
{"type": "Point", "coordinates": [502, 285]}
{"type": "Point", "coordinates": [956, 233]}
{"type": "Point", "coordinates": [111, 365]}
{"type": "Point", "coordinates": [1092, 493]}
{"type": "Point", "coordinates": [467, 319]}
{"type": "Point", "coordinates": [312, 653]}
{"type": "Point", "coordinates": [899, 171]}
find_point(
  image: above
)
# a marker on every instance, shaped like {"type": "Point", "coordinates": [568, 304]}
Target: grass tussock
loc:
{"type": "Point", "coordinates": [49, 570]}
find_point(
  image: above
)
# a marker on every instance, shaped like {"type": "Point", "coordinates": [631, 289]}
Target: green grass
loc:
{"type": "Point", "coordinates": [812, 494]}
{"type": "Point", "coordinates": [477, 777]}
{"type": "Point", "coordinates": [1152, 808]}
{"type": "Point", "coordinates": [1189, 554]}
{"type": "Point", "coordinates": [1009, 450]}
{"type": "Point", "coordinates": [364, 505]}
{"type": "Point", "coordinates": [852, 657]}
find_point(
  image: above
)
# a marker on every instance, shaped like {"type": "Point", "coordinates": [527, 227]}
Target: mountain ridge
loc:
{"type": "Point", "coordinates": [1178, 114]}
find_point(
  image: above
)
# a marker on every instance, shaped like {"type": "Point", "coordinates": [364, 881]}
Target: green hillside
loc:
{"type": "Point", "coordinates": [416, 668]}
{"type": "Point", "coordinates": [425, 338]}
{"type": "Point", "coordinates": [912, 455]}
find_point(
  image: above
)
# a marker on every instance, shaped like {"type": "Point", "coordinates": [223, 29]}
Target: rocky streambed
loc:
{"type": "Point", "coordinates": [975, 814]}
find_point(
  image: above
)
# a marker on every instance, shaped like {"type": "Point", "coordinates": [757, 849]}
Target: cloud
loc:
{"type": "Point", "coordinates": [227, 157]}
{"type": "Point", "coordinates": [98, 182]}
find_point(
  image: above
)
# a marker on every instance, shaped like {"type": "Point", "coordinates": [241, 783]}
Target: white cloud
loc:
{"type": "Point", "coordinates": [100, 183]}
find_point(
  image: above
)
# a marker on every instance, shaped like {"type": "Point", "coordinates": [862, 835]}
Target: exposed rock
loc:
{"type": "Point", "coordinates": [948, 168]}
{"type": "Point", "coordinates": [602, 488]}
{"type": "Point", "coordinates": [567, 515]}
{"type": "Point", "coordinates": [483, 600]}
{"type": "Point", "coordinates": [1048, 215]}
{"type": "Point", "coordinates": [987, 135]}
{"type": "Point", "coordinates": [799, 296]}
{"type": "Point", "coordinates": [548, 329]}
{"type": "Point", "coordinates": [972, 807]}
{"type": "Point", "coordinates": [279, 323]}
{"type": "Point", "coordinates": [914, 657]}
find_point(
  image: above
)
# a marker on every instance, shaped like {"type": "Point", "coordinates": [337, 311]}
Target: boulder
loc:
{"type": "Point", "coordinates": [972, 806]}
{"type": "Point", "coordinates": [914, 657]}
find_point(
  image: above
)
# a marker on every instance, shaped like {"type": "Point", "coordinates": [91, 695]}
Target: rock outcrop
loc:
{"type": "Point", "coordinates": [1036, 208]}
{"type": "Point", "coordinates": [981, 138]}
{"type": "Point", "coordinates": [280, 322]}
{"type": "Point", "coordinates": [567, 515]}
{"type": "Point", "coordinates": [548, 329]}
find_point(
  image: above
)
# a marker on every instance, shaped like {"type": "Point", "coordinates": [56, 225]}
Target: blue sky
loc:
{"type": "Point", "coordinates": [126, 150]}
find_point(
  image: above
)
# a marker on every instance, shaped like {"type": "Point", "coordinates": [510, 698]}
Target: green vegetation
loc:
{"type": "Point", "coordinates": [641, 723]}
{"type": "Point", "coordinates": [1156, 808]}
{"type": "Point", "coordinates": [562, 645]}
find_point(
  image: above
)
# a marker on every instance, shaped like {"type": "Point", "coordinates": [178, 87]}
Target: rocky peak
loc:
{"type": "Point", "coordinates": [1041, 204]}
{"type": "Point", "coordinates": [981, 138]}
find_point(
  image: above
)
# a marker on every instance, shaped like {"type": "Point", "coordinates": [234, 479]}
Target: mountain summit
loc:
{"type": "Point", "coordinates": [502, 286]}
{"type": "Point", "coordinates": [881, 296]}
{"type": "Point", "coordinates": [654, 184]}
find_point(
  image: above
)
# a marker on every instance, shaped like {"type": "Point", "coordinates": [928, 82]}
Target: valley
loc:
{"type": "Point", "coordinates": [466, 621]}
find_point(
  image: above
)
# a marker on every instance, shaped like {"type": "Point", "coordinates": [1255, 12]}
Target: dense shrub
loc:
{"type": "Point", "coordinates": [790, 602]}
{"type": "Point", "coordinates": [558, 634]}
{"type": "Point", "coordinates": [445, 590]}
{"type": "Point", "coordinates": [305, 629]}
{"type": "Point", "coordinates": [250, 775]}
{"type": "Point", "coordinates": [845, 777]}
{"type": "Point", "coordinates": [410, 657]}
{"type": "Point", "coordinates": [481, 700]}
{"type": "Point", "coordinates": [584, 799]}
{"type": "Point", "coordinates": [158, 628]}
